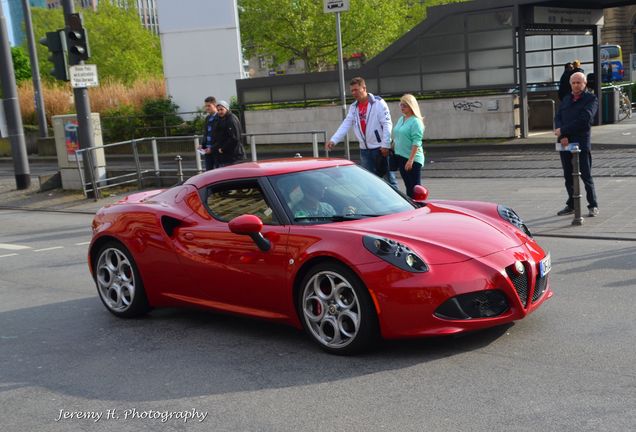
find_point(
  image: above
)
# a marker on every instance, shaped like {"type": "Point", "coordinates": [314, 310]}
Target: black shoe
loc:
{"type": "Point", "coordinates": [566, 211]}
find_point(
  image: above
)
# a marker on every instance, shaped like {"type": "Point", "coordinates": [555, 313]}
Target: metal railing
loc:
{"type": "Point", "coordinates": [142, 168]}
{"type": "Point", "coordinates": [145, 154]}
{"type": "Point", "coordinates": [314, 139]}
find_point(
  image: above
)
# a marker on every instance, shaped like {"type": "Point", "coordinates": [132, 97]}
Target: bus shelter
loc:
{"type": "Point", "coordinates": [506, 45]}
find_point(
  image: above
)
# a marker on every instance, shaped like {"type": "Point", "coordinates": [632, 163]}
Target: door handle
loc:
{"type": "Point", "coordinates": [188, 236]}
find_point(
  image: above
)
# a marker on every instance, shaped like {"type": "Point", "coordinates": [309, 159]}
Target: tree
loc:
{"type": "Point", "coordinates": [21, 64]}
{"type": "Point", "coordinates": [299, 29]}
{"type": "Point", "coordinates": [120, 46]}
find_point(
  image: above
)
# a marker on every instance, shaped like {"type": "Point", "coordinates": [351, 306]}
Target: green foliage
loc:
{"type": "Point", "coordinates": [160, 117]}
{"type": "Point", "coordinates": [299, 29]}
{"type": "Point", "coordinates": [120, 124]}
{"type": "Point", "coordinates": [21, 64]}
{"type": "Point", "coordinates": [157, 117]}
{"type": "Point", "coordinates": [121, 48]}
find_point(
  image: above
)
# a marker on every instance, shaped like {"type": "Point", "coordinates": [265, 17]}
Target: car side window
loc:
{"type": "Point", "coordinates": [229, 200]}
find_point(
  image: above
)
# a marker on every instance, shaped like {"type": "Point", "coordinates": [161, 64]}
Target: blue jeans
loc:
{"type": "Point", "coordinates": [585, 167]}
{"type": "Point", "coordinates": [367, 160]}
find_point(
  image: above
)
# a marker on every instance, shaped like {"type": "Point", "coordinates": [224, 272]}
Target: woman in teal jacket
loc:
{"type": "Point", "coordinates": [407, 138]}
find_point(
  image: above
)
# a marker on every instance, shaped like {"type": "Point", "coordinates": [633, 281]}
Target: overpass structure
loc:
{"type": "Point", "coordinates": [506, 45]}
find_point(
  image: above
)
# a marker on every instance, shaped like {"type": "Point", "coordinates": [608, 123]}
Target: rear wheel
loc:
{"type": "Point", "coordinates": [118, 282]}
{"type": "Point", "coordinates": [336, 309]}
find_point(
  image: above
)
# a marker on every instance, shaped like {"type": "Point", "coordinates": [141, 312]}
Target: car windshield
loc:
{"type": "Point", "coordinates": [337, 194]}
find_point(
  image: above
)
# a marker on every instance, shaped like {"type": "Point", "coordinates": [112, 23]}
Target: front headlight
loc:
{"type": "Point", "coordinates": [510, 216]}
{"type": "Point", "coordinates": [395, 253]}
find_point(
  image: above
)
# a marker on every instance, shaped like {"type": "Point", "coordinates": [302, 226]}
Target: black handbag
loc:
{"type": "Point", "coordinates": [381, 165]}
{"type": "Point", "coordinates": [393, 161]}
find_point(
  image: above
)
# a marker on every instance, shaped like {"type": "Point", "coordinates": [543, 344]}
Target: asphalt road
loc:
{"type": "Point", "coordinates": [567, 367]}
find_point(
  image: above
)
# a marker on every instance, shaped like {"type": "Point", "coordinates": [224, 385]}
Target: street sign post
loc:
{"type": "Point", "coordinates": [83, 76]}
{"type": "Point", "coordinates": [332, 6]}
{"type": "Point", "coordinates": [337, 6]}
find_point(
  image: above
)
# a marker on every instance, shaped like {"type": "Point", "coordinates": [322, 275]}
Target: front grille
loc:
{"type": "Point", "coordinates": [520, 281]}
{"type": "Point", "coordinates": [478, 304]}
{"type": "Point", "coordinates": [539, 288]}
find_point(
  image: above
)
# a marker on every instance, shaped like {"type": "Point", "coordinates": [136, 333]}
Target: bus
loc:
{"type": "Point", "coordinates": [612, 63]}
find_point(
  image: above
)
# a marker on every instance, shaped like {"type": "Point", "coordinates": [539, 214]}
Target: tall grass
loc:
{"type": "Point", "coordinates": [58, 98]}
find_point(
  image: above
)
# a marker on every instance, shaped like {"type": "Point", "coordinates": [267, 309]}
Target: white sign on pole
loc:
{"type": "Point", "coordinates": [83, 76]}
{"type": "Point", "coordinates": [555, 15]}
{"type": "Point", "coordinates": [336, 6]}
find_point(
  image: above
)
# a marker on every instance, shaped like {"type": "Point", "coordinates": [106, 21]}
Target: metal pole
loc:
{"type": "Point", "coordinates": [314, 138]}
{"type": "Point", "coordinates": [253, 147]}
{"type": "Point", "coordinates": [598, 119]}
{"type": "Point", "coordinates": [91, 172]}
{"type": "Point", "coordinates": [79, 156]}
{"type": "Point", "coordinates": [135, 150]}
{"type": "Point", "coordinates": [576, 196]}
{"type": "Point", "coordinates": [12, 110]}
{"type": "Point", "coordinates": [35, 71]}
{"type": "Point", "coordinates": [82, 105]}
{"type": "Point", "coordinates": [523, 83]}
{"type": "Point", "coordinates": [342, 81]}
{"type": "Point", "coordinates": [178, 158]}
{"type": "Point", "coordinates": [197, 155]}
{"type": "Point", "coordinates": [155, 155]}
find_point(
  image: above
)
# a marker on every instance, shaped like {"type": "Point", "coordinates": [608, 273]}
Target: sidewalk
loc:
{"type": "Point", "coordinates": [524, 174]}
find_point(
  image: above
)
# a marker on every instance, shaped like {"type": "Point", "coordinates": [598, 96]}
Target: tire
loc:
{"type": "Point", "coordinates": [336, 309]}
{"type": "Point", "coordinates": [119, 284]}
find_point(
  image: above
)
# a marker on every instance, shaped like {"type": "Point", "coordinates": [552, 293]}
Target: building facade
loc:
{"type": "Point", "coordinates": [147, 10]}
{"type": "Point", "coordinates": [620, 28]}
{"type": "Point", "coordinates": [16, 19]}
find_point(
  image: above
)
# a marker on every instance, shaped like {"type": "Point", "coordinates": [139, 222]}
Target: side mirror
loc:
{"type": "Point", "coordinates": [250, 225]}
{"type": "Point", "coordinates": [420, 193]}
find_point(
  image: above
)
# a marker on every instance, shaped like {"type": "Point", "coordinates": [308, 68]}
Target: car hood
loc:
{"type": "Point", "coordinates": [443, 233]}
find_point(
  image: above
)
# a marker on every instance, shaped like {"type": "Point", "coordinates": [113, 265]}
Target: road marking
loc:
{"type": "Point", "coordinates": [8, 246]}
{"type": "Point", "coordinates": [48, 249]}
{"type": "Point", "coordinates": [82, 244]}
{"type": "Point", "coordinates": [8, 255]}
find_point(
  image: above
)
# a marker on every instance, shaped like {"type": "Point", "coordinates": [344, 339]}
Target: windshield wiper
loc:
{"type": "Point", "coordinates": [336, 218]}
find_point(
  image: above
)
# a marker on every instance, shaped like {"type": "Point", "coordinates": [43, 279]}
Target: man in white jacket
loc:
{"type": "Point", "coordinates": [371, 119]}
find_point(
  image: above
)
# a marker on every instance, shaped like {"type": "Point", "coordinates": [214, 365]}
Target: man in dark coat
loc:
{"type": "Point", "coordinates": [229, 146]}
{"type": "Point", "coordinates": [564, 82]}
{"type": "Point", "coordinates": [573, 122]}
{"type": "Point", "coordinates": [209, 126]}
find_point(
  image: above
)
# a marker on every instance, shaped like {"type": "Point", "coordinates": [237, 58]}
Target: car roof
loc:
{"type": "Point", "coordinates": [263, 168]}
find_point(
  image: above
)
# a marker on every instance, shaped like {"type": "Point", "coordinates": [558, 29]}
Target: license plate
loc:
{"type": "Point", "coordinates": [545, 265]}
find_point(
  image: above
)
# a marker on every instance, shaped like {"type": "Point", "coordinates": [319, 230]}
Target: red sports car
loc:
{"type": "Point", "coordinates": [320, 244]}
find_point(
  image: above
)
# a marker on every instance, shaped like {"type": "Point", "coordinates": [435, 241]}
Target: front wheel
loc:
{"type": "Point", "coordinates": [118, 282]}
{"type": "Point", "coordinates": [336, 309]}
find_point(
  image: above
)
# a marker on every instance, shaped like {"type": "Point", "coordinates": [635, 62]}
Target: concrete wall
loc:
{"type": "Point", "coordinates": [478, 117]}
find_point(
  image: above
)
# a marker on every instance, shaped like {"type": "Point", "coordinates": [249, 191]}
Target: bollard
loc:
{"type": "Point", "coordinates": [576, 186]}
{"type": "Point", "coordinates": [197, 155]}
{"type": "Point", "coordinates": [178, 158]}
{"type": "Point", "coordinates": [155, 157]}
{"type": "Point", "coordinates": [314, 139]}
{"type": "Point", "coordinates": [253, 147]}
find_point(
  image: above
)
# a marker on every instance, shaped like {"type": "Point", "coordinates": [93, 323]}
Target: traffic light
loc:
{"type": "Point", "coordinates": [56, 43]}
{"type": "Point", "coordinates": [77, 36]}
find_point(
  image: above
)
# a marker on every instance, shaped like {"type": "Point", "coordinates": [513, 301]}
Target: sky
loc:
{"type": "Point", "coordinates": [7, 16]}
